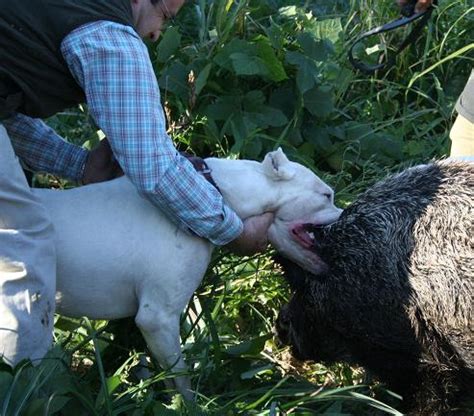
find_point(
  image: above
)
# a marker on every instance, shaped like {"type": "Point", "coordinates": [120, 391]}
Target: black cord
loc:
{"type": "Point", "coordinates": [409, 16]}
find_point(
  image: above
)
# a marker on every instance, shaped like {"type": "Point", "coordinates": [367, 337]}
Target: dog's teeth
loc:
{"type": "Point", "coordinates": [311, 235]}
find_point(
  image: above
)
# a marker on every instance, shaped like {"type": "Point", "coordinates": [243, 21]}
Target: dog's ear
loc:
{"type": "Point", "coordinates": [277, 166]}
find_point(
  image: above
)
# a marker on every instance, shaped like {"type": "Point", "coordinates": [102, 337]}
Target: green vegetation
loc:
{"type": "Point", "coordinates": [239, 79]}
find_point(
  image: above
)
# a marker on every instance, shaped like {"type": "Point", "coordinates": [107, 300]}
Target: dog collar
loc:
{"type": "Point", "coordinates": [201, 167]}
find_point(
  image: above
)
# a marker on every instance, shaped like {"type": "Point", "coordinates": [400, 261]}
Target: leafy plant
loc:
{"type": "Point", "coordinates": [261, 75]}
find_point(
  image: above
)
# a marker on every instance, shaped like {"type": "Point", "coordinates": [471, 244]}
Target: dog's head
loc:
{"type": "Point", "coordinates": [304, 200]}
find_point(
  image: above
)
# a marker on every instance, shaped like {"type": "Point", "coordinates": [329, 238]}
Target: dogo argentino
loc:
{"type": "Point", "coordinates": [119, 256]}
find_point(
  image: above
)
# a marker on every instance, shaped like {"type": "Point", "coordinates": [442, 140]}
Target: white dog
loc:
{"type": "Point", "coordinates": [118, 256]}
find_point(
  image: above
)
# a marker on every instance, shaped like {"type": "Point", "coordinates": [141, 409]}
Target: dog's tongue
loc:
{"type": "Point", "coordinates": [301, 236]}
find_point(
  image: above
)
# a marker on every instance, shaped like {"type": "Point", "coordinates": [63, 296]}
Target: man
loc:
{"type": "Point", "coordinates": [58, 53]}
{"type": "Point", "coordinates": [462, 131]}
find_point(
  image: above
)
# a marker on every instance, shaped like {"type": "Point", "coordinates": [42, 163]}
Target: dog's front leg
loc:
{"type": "Point", "coordinates": [161, 332]}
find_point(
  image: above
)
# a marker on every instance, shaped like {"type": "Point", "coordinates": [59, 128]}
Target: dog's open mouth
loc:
{"type": "Point", "coordinates": [304, 234]}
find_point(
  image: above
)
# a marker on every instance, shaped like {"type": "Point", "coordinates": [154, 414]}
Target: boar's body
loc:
{"type": "Point", "coordinates": [397, 295]}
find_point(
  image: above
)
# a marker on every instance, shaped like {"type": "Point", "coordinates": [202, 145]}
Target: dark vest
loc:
{"type": "Point", "coordinates": [34, 78]}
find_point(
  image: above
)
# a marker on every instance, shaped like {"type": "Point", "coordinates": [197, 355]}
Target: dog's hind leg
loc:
{"type": "Point", "coordinates": [161, 332]}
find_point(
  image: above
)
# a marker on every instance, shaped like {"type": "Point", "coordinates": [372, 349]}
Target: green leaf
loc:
{"type": "Point", "coordinates": [160, 409]}
{"type": "Point", "coordinates": [58, 403]}
{"type": "Point", "coordinates": [67, 324]}
{"type": "Point", "coordinates": [247, 375]}
{"type": "Point", "coordinates": [6, 380]}
{"type": "Point", "coordinates": [201, 79]}
{"type": "Point", "coordinates": [314, 48]}
{"type": "Point", "coordinates": [36, 407]}
{"type": "Point", "coordinates": [253, 100]}
{"type": "Point", "coordinates": [307, 149]}
{"type": "Point", "coordinates": [276, 71]}
{"type": "Point", "coordinates": [415, 148]}
{"type": "Point", "coordinates": [244, 64]}
{"type": "Point", "coordinates": [113, 382]}
{"type": "Point", "coordinates": [384, 148]}
{"type": "Point", "coordinates": [240, 128]}
{"type": "Point", "coordinates": [224, 108]}
{"type": "Point", "coordinates": [260, 114]}
{"type": "Point", "coordinates": [269, 116]}
{"type": "Point", "coordinates": [284, 99]}
{"type": "Point", "coordinates": [307, 72]}
{"type": "Point", "coordinates": [294, 136]}
{"type": "Point", "coordinates": [334, 409]}
{"type": "Point", "coordinates": [223, 59]}
{"type": "Point", "coordinates": [319, 101]}
{"type": "Point", "coordinates": [319, 137]}
{"type": "Point", "coordinates": [253, 149]}
{"type": "Point", "coordinates": [330, 29]}
{"type": "Point", "coordinates": [63, 383]}
{"type": "Point", "coordinates": [289, 11]}
{"type": "Point", "coordinates": [276, 35]}
{"type": "Point", "coordinates": [250, 347]}
{"type": "Point", "coordinates": [358, 131]}
{"type": "Point", "coordinates": [168, 45]}
{"type": "Point", "coordinates": [175, 79]}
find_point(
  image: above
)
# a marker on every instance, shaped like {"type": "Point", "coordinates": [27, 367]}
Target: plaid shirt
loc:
{"type": "Point", "coordinates": [111, 63]}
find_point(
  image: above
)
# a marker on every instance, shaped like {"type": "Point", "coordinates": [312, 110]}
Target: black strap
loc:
{"type": "Point", "coordinates": [201, 167]}
{"type": "Point", "coordinates": [409, 16]}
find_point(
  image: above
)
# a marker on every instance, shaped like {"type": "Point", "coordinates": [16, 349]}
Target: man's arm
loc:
{"type": "Point", "coordinates": [112, 65]}
{"type": "Point", "coordinates": [42, 149]}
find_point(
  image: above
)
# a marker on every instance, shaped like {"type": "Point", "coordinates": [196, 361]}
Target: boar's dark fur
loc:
{"type": "Point", "coordinates": [397, 296]}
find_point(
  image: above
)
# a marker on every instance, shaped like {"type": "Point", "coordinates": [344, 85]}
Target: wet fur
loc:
{"type": "Point", "coordinates": [398, 294]}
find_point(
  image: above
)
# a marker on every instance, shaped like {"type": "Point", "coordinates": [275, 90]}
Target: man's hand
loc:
{"type": "Point", "coordinates": [421, 5]}
{"type": "Point", "coordinates": [101, 164]}
{"type": "Point", "coordinates": [254, 238]}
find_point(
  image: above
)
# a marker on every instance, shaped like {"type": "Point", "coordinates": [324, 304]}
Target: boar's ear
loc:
{"type": "Point", "coordinates": [277, 166]}
{"type": "Point", "coordinates": [294, 274]}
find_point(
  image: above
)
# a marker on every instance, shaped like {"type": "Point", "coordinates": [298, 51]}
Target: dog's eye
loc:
{"type": "Point", "coordinates": [328, 195]}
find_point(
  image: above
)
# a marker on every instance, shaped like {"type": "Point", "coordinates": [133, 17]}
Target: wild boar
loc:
{"type": "Point", "coordinates": [393, 290]}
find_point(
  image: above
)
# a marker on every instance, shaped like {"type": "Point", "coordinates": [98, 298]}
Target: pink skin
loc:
{"type": "Point", "coordinates": [292, 241]}
{"type": "Point", "coordinates": [150, 19]}
{"type": "Point", "coordinates": [313, 263]}
{"type": "Point", "coordinates": [299, 234]}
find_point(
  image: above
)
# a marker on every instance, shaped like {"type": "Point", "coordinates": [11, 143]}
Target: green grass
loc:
{"type": "Point", "coordinates": [235, 364]}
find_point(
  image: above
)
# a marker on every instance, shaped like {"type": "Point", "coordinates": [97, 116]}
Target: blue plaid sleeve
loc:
{"type": "Point", "coordinates": [41, 149]}
{"type": "Point", "coordinates": [112, 65]}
